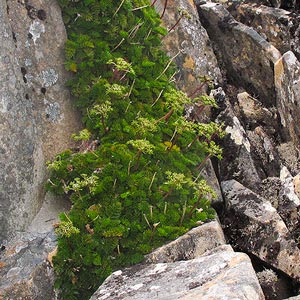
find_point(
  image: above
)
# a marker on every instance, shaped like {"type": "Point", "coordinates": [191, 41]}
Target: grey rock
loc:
{"type": "Point", "coordinates": [289, 155]}
{"type": "Point", "coordinates": [220, 275]}
{"type": "Point", "coordinates": [253, 225]}
{"type": "Point", "coordinates": [210, 176]}
{"type": "Point", "coordinates": [287, 82]}
{"type": "Point", "coordinates": [264, 151]}
{"type": "Point", "coordinates": [280, 27]}
{"type": "Point", "coordinates": [24, 270]}
{"type": "Point", "coordinates": [283, 194]}
{"type": "Point", "coordinates": [191, 245]}
{"type": "Point", "coordinates": [237, 162]}
{"type": "Point", "coordinates": [247, 57]}
{"type": "Point", "coordinates": [193, 54]}
{"type": "Point", "coordinates": [190, 44]}
{"type": "Point", "coordinates": [274, 287]}
{"type": "Point", "coordinates": [37, 116]}
{"type": "Point", "coordinates": [49, 213]}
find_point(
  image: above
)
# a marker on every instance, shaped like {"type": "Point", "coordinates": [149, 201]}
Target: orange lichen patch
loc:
{"type": "Point", "coordinates": [189, 63]}
{"type": "Point", "coordinates": [51, 255]}
{"type": "Point", "coordinates": [191, 78]}
{"type": "Point", "coordinates": [278, 72]}
{"type": "Point", "coordinates": [2, 264]}
{"type": "Point", "coordinates": [10, 251]}
{"type": "Point", "coordinates": [192, 2]}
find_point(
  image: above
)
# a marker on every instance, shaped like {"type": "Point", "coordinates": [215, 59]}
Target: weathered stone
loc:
{"type": "Point", "coordinates": [24, 271]}
{"type": "Point", "coordinates": [49, 213]}
{"type": "Point", "coordinates": [237, 162]}
{"type": "Point", "coordinates": [210, 176]}
{"type": "Point", "coordinates": [36, 113]}
{"type": "Point", "coordinates": [223, 274]}
{"type": "Point", "coordinates": [289, 155]}
{"type": "Point", "coordinates": [278, 26]}
{"type": "Point", "coordinates": [189, 44]}
{"type": "Point", "coordinates": [293, 298]}
{"type": "Point", "coordinates": [289, 202]}
{"type": "Point", "coordinates": [191, 245]}
{"type": "Point", "coordinates": [274, 287]}
{"type": "Point", "coordinates": [264, 151]}
{"type": "Point", "coordinates": [287, 82]}
{"type": "Point", "coordinates": [254, 112]}
{"type": "Point", "coordinates": [253, 225]}
{"type": "Point", "coordinates": [247, 57]}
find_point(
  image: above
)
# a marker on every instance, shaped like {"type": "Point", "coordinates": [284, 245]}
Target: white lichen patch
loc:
{"type": "Point", "coordinates": [4, 100]}
{"type": "Point", "coordinates": [238, 134]}
{"type": "Point", "coordinates": [49, 77]}
{"type": "Point", "coordinates": [136, 286]}
{"type": "Point", "coordinates": [268, 148]}
{"type": "Point", "coordinates": [159, 268]}
{"type": "Point", "coordinates": [53, 112]}
{"type": "Point", "coordinates": [117, 273]}
{"type": "Point", "coordinates": [155, 288]}
{"type": "Point", "coordinates": [288, 185]}
{"type": "Point", "coordinates": [36, 29]}
{"type": "Point", "coordinates": [28, 62]}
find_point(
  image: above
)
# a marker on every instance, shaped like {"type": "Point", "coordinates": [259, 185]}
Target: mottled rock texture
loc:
{"type": "Point", "coordinates": [279, 26]}
{"type": "Point", "coordinates": [189, 42]}
{"type": "Point", "coordinates": [191, 245]}
{"type": "Point", "coordinates": [36, 113]}
{"type": "Point", "coordinates": [246, 56]}
{"type": "Point", "coordinates": [220, 275]}
{"type": "Point", "coordinates": [287, 82]}
{"type": "Point", "coordinates": [24, 271]}
{"type": "Point", "coordinates": [253, 225]}
{"type": "Point", "coordinates": [238, 162]}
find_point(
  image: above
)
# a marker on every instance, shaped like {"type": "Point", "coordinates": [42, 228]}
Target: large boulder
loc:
{"type": "Point", "coordinates": [287, 83]}
{"type": "Point", "coordinates": [25, 271]}
{"type": "Point", "coordinates": [36, 113]}
{"type": "Point", "coordinates": [279, 26]}
{"type": "Point", "coordinates": [237, 162]}
{"type": "Point", "coordinates": [188, 43]}
{"type": "Point", "coordinates": [253, 225]}
{"type": "Point", "coordinates": [198, 265]}
{"type": "Point", "coordinates": [247, 57]}
{"type": "Point", "coordinates": [191, 245]}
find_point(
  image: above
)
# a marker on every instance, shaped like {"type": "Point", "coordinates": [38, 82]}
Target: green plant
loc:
{"type": "Point", "coordinates": [133, 181]}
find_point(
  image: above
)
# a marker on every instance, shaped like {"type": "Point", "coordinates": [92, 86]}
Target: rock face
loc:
{"type": "Point", "coordinates": [36, 113]}
{"type": "Point", "coordinates": [247, 57]}
{"type": "Point", "coordinates": [24, 271]}
{"type": "Point", "coordinates": [193, 244]}
{"type": "Point", "coordinates": [255, 226]}
{"type": "Point", "coordinates": [280, 27]}
{"type": "Point", "coordinates": [189, 44]}
{"type": "Point", "coordinates": [287, 82]}
{"type": "Point", "coordinates": [201, 277]}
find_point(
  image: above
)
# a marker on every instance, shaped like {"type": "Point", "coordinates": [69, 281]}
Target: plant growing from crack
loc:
{"type": "Point", "coordinates": [132, 179]}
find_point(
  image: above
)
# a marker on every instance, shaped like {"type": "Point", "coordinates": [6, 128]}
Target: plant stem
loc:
{"type": "Point", "coordinates": [168, 65]}
{"type": "Point", "coordinates": [166, 117]}
{"type": "Point", "coordinates": [175, 24]}
{"type": "Point", "coordinates": [164, 10]}
{"type": "Point", "coordinates": [138, 8]}
{"type": "Point", "coordinates": [183, 214]}
{"type": "Point", "coordinates": [118, 8]}
{"type": "Point", "coordinates": [189, 215]}
{"type": "Point", "coordinates": [168, 193]}
{"type": "Point", "coordinates": [198, 89]}
{"type": "Point", "coordinates": [152, 180]}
